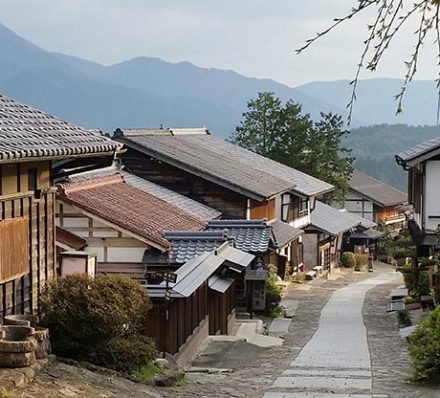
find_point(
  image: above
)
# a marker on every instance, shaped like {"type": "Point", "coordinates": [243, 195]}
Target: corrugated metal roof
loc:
{"type": "Point", "coordinates": [220, 284]}
{"type": "Point", "coordinates": [377, 191]}
{"type": "Point", "coordinates": [26, 132]}
{"type": "Point", "coordinates": [251, 236]}
{"type": "Point", "coordinates": [235, 256]}
{"type": "Point", "coordinates": [284, 233]}
{"type": "Point", "coordinates": [228, 165]}
{"type": "Point", "coordinates": [420, 152]}
{"type": "Point", "coordinates": [195, 272]}
{"type": "Point", "coordinates": [330, 220]}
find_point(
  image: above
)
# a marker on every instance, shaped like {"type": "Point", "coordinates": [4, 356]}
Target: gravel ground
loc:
{"type": "Point", "coordinates": [388, 353]}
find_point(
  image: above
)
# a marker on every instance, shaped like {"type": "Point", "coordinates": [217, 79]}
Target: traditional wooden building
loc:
{"type": "Point", "coordinates": [423, 165]}
{"type": "Point", "coordinates": [376, 201]}
{"type": "Point", "coordinates": [237, 182]}
{"type": "Point", "coordinates": [327, 233]}
{"type": "Point", "coordinates": [34, 147]}
{"type": "Point", "coordinates": [121, 216]}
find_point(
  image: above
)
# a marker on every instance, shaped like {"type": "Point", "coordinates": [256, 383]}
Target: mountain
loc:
{"type": "Point", "coordinates": [374, 148]}
{"type": "Point", "coordinates": [376, 103]}
{"type": "Point", "coordinates": [142, 92]}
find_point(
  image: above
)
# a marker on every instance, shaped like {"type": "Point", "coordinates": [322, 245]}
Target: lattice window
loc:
{"type": "Point", "coordinates": [14, 248]}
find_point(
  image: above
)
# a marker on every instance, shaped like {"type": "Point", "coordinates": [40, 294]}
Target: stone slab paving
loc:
{"type": "Point", "coordinates": [280, 326]}
{"type": "Point", "coordinates": [336, 360]}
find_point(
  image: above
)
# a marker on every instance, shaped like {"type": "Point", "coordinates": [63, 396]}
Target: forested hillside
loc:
{"type": "Point", "coordinates": [375, 147]}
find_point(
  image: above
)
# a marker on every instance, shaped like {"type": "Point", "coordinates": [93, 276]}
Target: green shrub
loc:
{"type": "Point", "coordinates": [125, 354]}
{"type": "Point", "coordinates": [361, 261]}
{"type": "Point", "coordinates": [88, 317]}
{"type": "Point", "coordinates": [273, 294]}
{"type": "Point", "coordinates": [404, 318]}
{"type": "Point", "coordinates": [424, 349]}
{"type": "Point", "coordinates": [348, 260]}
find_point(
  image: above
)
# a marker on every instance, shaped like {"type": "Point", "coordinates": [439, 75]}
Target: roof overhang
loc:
{"type": "Point", "coordinates": [197, 172]}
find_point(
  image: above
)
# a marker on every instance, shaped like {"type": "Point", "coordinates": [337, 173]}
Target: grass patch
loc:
{"type": "Point", "coordinates": [146, 373]}
{"type": "Point", "coordinates": [275, 313]}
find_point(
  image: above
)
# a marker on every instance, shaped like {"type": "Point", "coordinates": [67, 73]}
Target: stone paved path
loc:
{"type": "Point", "coordinates": [336, 361]}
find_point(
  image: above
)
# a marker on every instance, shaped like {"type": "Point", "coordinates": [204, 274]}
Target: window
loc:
{"type": "Point", "coordinates": [14, 248]}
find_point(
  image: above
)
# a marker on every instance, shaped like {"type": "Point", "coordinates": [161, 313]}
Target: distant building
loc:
{"type": "Point", "coordinates": [376, 201]}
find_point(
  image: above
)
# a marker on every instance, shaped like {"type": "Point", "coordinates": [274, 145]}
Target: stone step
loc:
{"type": "Point", "coordinates": [355, 373]}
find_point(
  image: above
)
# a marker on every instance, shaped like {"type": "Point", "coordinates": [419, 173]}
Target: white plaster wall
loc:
{"type": "Point", "coordinates": [125, 254]}
{"type": "Point", "coordinates": [99, 251]}
{"type": "Point", "coordinates": [432, 195]}
{"type": "Point", "coordinates": [310, 250]}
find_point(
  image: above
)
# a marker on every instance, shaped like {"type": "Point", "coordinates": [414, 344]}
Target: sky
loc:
{"type": "Point", "coordinates": [256, 38]}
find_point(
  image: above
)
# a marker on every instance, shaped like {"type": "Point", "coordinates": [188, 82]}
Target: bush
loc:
{"type": "Point", "coordinates": [348, 260]}
{"type": "Point", "coordinates": [361, 261]}
{"type": "Point", "coordinates": [273, 294]}
{"type": "Point", "coordinates": [404, 318]}
{"type": "Point", "coordinates": [424, 349]}
{"type": "Point", "coordinates": [89, 317]}
{"type": "Point", "coordinates": [126, 354]}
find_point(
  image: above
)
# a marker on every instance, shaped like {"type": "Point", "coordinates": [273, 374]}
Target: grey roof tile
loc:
{"type": "Point", "coordinates": [251, 236]}
{"type": "Point", "coordinates": [377, 191]}
{"type": "Point", "coordinates": [187, 245]}
{"type": "Point", "coordinates": [238, 169]}
{"type": "Point", "coordinates": [26, 132]}
{"type": "Point", "coordinates": [284, 233]}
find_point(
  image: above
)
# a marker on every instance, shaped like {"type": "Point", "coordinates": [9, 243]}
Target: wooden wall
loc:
{"type": "Point", "coordinates": [20, 295]}
{"type": "Point", "coordinates": [221, 305]}
{"type": "Point", "coordinates": [185, 316]}
{"type": "Point", "coordinates": [260, 210]}
{"type": "Point", "coordinates": [383, 213]}
{"type": "Point", "coordinates": [231, 204]}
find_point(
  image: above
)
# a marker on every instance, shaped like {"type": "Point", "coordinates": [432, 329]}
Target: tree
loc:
{"type": "Point", "coordinates": [282, 133]}
{"type": "Point", "coordinates": [389, 18]}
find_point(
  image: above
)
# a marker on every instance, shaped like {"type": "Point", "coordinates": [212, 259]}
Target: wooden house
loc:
{"type": "Point", "coordinates": [34, 146]}
{"type": "Point", "coordinates": [241, 184]}
{"type": "Point", "coordinates": [423, 165]}
{"type": "Point", "coordinates": [376, 201]}
{"type": "Point", "coordinates": [324, 239]}
{"type": "Point", "coordinates": [121, 216]}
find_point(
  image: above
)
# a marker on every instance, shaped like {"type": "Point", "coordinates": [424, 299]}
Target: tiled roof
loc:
{"type": "Point", "coordinates": [376, 191]}
{"type": "Point", "coordinates": [284, 233]}
{"type": "Point", "coordinates": [419, 152]}
{"type": "Point", "coordinates": [131, 209]}
{"type": "Point", "coordinates": [330, 220]}
{"type": "Point", "coordinates": [188, 205]}
{"type": "Point", "coordinates": [187, 245]}
{"type": "Point", "coordinates": [68, 239]}
{"type": "Point", "coordinates": [251, 236]}
{"type": "Point", "coordinates": [26, 132]}
{"type": "Point", "coordinates": [228, 165]}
